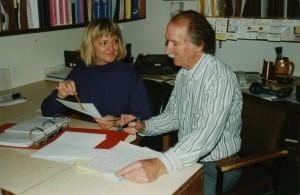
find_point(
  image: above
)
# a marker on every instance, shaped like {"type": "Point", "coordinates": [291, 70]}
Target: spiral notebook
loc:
{"type": "Point", "coordinates": [33, 132]}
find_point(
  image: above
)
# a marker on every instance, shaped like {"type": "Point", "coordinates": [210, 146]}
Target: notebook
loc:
{"type": "Point", "coordinates": [33, 132]}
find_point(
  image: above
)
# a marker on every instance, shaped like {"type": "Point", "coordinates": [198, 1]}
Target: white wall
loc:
{"type": "Point", "coordinates": [147, 36]}
{"type": "Point", "coordinates": [27, 55]}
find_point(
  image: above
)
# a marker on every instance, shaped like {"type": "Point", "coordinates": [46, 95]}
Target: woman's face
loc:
{"type": "Point", "coordinates": [106, 49]}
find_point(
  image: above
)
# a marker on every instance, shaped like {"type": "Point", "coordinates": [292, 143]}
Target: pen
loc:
{"type": "Point", "coordinates": [79, 102]}
{"type": "Point", "coordinates": [126, 125]}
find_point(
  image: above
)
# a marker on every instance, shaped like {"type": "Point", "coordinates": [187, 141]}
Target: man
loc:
{"type": "Point", "coordinates": [205, 107]}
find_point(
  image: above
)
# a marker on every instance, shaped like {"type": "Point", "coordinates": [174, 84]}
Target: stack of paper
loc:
{"type": "Point", "coordinates": [71, 146]}
{"type": "Point", "coordinates": [57, 73]}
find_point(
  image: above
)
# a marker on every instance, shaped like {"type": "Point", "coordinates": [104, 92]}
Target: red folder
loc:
{"type": "Point", "coordinates": [112, 137]}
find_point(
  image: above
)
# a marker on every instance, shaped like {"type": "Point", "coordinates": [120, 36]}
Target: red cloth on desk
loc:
{"type": "Point", "coordinates": [112, 137]}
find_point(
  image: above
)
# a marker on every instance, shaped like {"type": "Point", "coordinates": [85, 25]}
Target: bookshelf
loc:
{"type": "Point", "coordinates": [34, 16]}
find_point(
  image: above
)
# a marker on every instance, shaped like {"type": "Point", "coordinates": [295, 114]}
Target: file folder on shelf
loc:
{"type": "Point", "coordinates": [33, 132]}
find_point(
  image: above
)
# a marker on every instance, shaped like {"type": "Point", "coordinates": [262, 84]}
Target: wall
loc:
{"type": "Point", "coordinates": [27, 55]}
{"type": "Point", "coordinates": [147, 36]}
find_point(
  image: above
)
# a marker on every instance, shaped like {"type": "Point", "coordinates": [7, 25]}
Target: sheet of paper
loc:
{"type": "Point", "coordinates": [71, 146]}
{"type": "Point", "coordinates": [89, 108]}
{"type": "Point", "coordinates": [121, 155]}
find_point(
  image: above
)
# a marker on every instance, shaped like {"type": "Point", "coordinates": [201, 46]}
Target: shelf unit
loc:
{"type": "Point", "coordinates": [141, 5]}
{"type": "Point", "coordinates": [53, 28]}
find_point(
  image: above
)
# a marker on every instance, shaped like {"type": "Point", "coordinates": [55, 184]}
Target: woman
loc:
{"type": "Point", "coordinates": [111, 85]}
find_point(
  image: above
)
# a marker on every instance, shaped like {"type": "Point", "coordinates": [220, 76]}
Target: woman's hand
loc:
{"type": "Point", "coordinates": [108, 122]}
{"type": "Point", "coordinates": [66, 88]}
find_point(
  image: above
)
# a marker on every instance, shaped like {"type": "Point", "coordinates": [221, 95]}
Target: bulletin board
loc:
{"type": "Point", "coordinates": [253, 19]}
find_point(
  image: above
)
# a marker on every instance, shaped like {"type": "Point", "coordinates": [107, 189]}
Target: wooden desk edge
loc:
{"type": "Point", "coordinates": [5, 192]}
{"type": "Point", "coordinates": [194, 185]}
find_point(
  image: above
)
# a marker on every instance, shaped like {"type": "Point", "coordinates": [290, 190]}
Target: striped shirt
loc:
{"type": "Point", "coordinates": [205, 107]}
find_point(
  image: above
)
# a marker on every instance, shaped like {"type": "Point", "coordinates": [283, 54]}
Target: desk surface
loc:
{"type": "Point", "coordinates": [21, 174]}
{"type": "Point", "coordinates": [35, 93]}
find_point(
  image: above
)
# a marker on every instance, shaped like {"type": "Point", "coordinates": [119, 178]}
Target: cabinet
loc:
{"type": "Point", "coordinates": [33, 16]}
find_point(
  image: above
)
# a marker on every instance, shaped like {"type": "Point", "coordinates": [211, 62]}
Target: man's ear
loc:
{"type": "Point", "coordinates": [200, 46]}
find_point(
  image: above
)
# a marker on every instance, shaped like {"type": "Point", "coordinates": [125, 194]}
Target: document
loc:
{"type": "Point", "coordinates": [33, 132]}
{"type": "Point", "coordinates": [89, 108]}
{"type": "Point", "coordinates": [71, 146]}
{"type": "Point", "coordinates": [116, 158]}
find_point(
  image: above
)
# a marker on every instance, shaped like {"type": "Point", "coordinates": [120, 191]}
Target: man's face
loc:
{"type": "Point", "coordinates": [106, 49]}
{"type": "Point", "coordinates": [178, 46]}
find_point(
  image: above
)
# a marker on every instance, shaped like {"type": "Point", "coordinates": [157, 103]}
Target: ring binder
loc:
{"type": "Point", "coordinates": [36, 143]}
{"type": "Point", "coordinates": [34, 132]}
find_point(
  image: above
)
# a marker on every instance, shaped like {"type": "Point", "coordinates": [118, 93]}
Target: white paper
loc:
{"type": "Point", "coordinates": [13, 102]}
{"type": "Point", "coordinates": [89, 108]}
{"type": "Point", "coordinates": [121, 155]}
{"type": "Point", "coordinates": [71, 146]}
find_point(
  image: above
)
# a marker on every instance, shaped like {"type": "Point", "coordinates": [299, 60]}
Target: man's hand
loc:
{"type": "Point", "coordinates": [143, 171]}
{"type": "Point", "coordinates": [133, 127]}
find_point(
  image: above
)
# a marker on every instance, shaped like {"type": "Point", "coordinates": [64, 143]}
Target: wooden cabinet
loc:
{"type": "Point", "coordinates": [33, 16]}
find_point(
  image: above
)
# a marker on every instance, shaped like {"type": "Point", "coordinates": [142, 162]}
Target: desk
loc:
{"type": "Point", "coordinates": [34, 93]}
{"type": "Point", "coordinates": [21, 174]}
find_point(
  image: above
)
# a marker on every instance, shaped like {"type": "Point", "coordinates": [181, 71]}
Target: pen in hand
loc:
{"type": "Point", "coordinates": [126, 125]}
{"type": "Point", "coordinates": [79, 102]}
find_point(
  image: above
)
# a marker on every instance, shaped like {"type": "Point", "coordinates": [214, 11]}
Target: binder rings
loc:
{"type": "Point", "coordinates": [33, 132]}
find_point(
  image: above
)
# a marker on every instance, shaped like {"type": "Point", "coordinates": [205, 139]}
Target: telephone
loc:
{"type": "Point", "coordinates": [246, 78]}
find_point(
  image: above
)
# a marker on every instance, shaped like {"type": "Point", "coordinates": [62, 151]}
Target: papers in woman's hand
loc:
{"type": "Point", "coordinates": [89, 108]}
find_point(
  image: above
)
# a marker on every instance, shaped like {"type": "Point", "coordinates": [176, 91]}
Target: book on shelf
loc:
{"type": "Point", "coordinates": [44, 13]}
{"type": "Point", "coordinates": [142, 8]}
{"type": "Point", "coordinates": [33, 132]}
{"type": "Point", "coordinates": [135, 11]}
{"type": "Point", "coordinates": [127, 9]}
{"type": "Point", "coordinates": [2, 16]}
{"type": "Point", "coordinates": [9, 9]}
{"type": "Point", "coordinates": [33, 14]}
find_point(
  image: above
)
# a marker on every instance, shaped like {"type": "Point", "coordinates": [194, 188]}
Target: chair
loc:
{"type": "Point", "coordinates": [261, 155]}
{"type": "Point", "coordinates": [158, 96]}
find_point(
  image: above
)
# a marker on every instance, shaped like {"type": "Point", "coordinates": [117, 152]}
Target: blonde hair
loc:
{"type": "Point", "coordinates": [99, 28]}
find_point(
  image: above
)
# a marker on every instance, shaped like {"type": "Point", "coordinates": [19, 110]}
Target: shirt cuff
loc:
{"type": "Point", "coordinates": [146, 129]}
{"type": "Point", "coordinates": [171, 162]}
